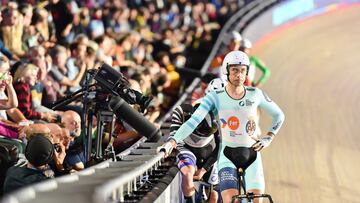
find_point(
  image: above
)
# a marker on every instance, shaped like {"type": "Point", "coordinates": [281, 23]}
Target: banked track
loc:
{"type": "Point", "coordinates": [315, 79]}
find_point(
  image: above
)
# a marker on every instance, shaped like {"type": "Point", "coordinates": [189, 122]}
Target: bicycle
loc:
{"type": "Point", "coordinates": [242, 158]}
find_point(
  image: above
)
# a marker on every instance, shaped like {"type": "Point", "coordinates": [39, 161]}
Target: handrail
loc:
{"type": "Point", "coordinates": [115, 187]}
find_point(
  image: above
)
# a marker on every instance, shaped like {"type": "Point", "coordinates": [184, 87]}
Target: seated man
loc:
{"type": "Point", "coordinates": [75, 153]}
{"type": "Point", "coordinates": [61, 140]}
{"type": "Point", "coordinates": [39, 152]}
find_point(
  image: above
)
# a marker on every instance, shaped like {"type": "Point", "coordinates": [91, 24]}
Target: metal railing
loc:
{"type": "Point", "coordinates": [114, 189]}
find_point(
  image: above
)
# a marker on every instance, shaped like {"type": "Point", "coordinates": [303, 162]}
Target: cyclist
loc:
{"type": "Point", "coordinates": [198, 152]}
{"type": "Point", "coordinates": [255, 63]}
{"type": "Point", "coordinates": [236, 106]}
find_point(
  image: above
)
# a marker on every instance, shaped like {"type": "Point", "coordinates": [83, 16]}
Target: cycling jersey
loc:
{"type": "Point", "coordinates": [237, 122]}
{"type": "Point", "coordinates": [236, 116]}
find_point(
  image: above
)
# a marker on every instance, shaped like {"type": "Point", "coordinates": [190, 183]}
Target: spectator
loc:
{"type": "Point", "coordinates": [62, 18]}
{"type": "Point", "coordinates": [56, 80]}
{"type": "Point", "coordinates": [96, 26]}
{"type": "Point", "coordinates": [44, 32]}
{"type": "Point", "coordinates": [76, 63]}
{"type": "Point", "coordinates": [3, 49]}
{"type": "Point", "coordinates": [25, 77]}
{"type": "Point", "coordinates": [28, 39]}
{"type": "Point", "coordinates": [75, 158]}
{"type": "Point", "coordinates": [61, 141]}
{"type": "Point", "coordinates": [12, 30]}
{"type": "Point", "coordinates": [10, 100]}
{"type": "Point", "coordinates": [39, 152]}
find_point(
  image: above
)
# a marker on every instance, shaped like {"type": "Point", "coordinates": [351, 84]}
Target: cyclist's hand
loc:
{"type": "Point", "coordinates": [167, 147]}
{"type": "Point", "coordinates": [199, 174]}
{"type": "Point", "coordinates": [263, 142]}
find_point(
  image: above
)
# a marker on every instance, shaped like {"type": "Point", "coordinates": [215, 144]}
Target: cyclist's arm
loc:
{"type": "Point", "coordinates": [264, 69]}
{"type": "Point", "coordinates": [176, 120]}
{"type": "Point", "coordinates": [274, 111]}
{"type": "Point", "coordinates": [207, 103]}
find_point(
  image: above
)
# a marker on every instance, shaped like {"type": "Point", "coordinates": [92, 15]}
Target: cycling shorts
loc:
{"type": "Point", "coordinates": [254, 175]}
{"type": "Point", "coordinates": [186, 158]}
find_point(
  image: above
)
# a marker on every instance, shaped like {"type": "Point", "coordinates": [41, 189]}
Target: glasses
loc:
{"type": "Point", "coordinates": [4, 76]}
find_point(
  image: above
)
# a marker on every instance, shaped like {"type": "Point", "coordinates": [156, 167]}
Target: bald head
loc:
{"type": "Point", "coordinates": [72, 121]}
{"type": "Point", "coordinates": [66, 138]}
{"type": "Point", "coordinates": [37, 129]}
{"type": "Point", "coordinates": [55, 131]}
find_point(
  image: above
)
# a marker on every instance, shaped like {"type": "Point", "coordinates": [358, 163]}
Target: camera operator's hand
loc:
{"type": "Point", "coordinates": [167, 147]}
{"type": "Point", "coordinates": [59, 155]}
{"type": "Point", "coordinates": [263, 142]}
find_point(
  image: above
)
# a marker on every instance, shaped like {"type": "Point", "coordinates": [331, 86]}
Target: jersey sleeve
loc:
{"type": "Point", "coordinates": [176, 120]}
{"type": "Point", "coordinates": [274, 111]}
{"type": "Point", "coordinates": [207, 104]}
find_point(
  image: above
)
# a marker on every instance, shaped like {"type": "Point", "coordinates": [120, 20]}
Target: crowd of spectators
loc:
{"type": "Point", "coordinates": [47, 47]}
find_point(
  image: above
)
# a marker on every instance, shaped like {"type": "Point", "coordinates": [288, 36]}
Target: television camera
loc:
{"type": "Point", "coordinates": [106, 94]}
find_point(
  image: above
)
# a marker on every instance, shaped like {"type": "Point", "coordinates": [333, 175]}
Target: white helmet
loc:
{"type": "Point", "coordinates": [215, 85]}
{"type": "Point", "coordinates": [236, 36]}
{"type": "Point", "coordinates": [234, 58]}
{"type": "Point", "coordinates": [245, 44]}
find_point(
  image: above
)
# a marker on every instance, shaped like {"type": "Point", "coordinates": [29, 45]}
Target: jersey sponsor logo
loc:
{"type": "Point", "coordinates": [234, 134]}
{"type": "Point", "coordinates": [223, 123]}
{"type": "Point", "coordinates": [214, 178]}
{"type": "Point", "coordinates": [267, 98]}
{"type": "Point", "coordinates": [249, 103]}
{"type": "Point", "coordinates": [233, 123]}
{"type": "Point", "coordinates": [250, 126]}
{"type": "Point", "coordinates": [277, 125]}
{"type": "Point", "coordinates": [250, 89]}
{"type": "Point", "coordinates": [242, 103]}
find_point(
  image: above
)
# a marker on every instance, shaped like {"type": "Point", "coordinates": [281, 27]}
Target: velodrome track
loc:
{"type": "Point", "coordinates": [315, 79]}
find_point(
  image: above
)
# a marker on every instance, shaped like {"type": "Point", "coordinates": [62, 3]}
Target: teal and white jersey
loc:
{"type": "Point", "coordinates": [236, 116]}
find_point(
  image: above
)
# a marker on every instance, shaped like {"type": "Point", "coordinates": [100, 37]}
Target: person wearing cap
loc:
{"type": "Point", "coordinates": [39, 152]}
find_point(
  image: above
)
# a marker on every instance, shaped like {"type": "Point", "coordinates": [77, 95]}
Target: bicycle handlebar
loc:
{"type": "Point", "coordinates": [253, 196]}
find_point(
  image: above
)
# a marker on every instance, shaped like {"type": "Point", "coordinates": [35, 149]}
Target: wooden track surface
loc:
{"type": "Point", "coordinates": [315, 79]}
